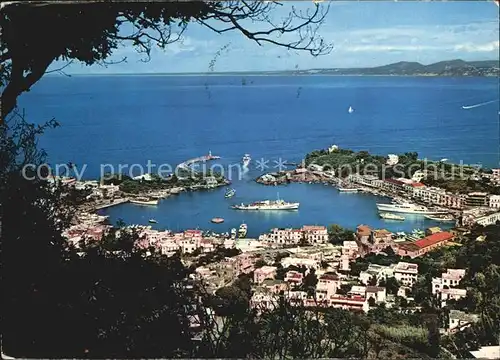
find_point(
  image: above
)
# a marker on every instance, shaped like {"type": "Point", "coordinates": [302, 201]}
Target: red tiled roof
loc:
{"type": "Point", "coordinates": [294, 274]}
{"type": "Point", "coordinates": [418, 184]}
{"type": "Point", "coordinates": [408, 246]}
{"type": "Point", "coordinates": [365, 229]}
{"type": "Point", "coordinates": [354, 298]}
{"type": "Point", "coordinates": [434, 239]}
{"type": "Point", "coordinates": [372, 289]}
{"type": "Point", "coordinates": [394, 181]}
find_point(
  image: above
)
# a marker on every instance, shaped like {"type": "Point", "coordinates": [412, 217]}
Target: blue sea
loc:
{"type": "Point", "coordinates": [133, 119]}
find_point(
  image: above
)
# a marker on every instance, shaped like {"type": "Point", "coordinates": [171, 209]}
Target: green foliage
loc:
{"type": "Point", "coordinates": [260, 263]}
{"type": "Point", "coordinates": [337, 234]}
{"type": "Point", "coordinates": [391, 284]}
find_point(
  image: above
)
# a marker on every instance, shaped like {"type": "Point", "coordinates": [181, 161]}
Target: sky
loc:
{"type": "Point", "coordinates": [363, 34]}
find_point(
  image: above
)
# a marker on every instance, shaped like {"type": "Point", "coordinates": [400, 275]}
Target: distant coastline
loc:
{"type": "Point", "coordinates": [450, 68]}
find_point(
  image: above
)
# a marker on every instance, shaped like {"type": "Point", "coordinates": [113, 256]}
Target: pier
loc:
{"type": "Point", "coordinates": [114, 203]}
{"type": "Point", "coordinates": [186, 164]}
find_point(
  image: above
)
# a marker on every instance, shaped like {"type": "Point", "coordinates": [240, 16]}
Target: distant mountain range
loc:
{"type": "Point", "coordinates": [442, 68]}
{"type": "Point", "coordinates": [402, 68]}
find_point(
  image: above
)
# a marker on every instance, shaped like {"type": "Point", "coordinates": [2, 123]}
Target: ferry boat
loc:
{"type": "Point", "coordinates": [348, 190]}
{"type": "Point", "coordinates": [408, 208]}
{"type": "Point", "coordinates": [443, 218]}
{"type": "Point", "coordinates": [268, 205]}
{"type": "Point", "coordinates": [242, 231]}
{"type": "Point", "coordinates": [246, 160]}
{"type": "Point", "coordinates": [153, 221]}
{"type": "Point", "coordinates": [233, 233]}
{"type": "Point", "coordinates": [229, 193]}
{"type": "Point", "coordinates": [391, 216]}
{"type": "Point", "coordinates": [144, 201]}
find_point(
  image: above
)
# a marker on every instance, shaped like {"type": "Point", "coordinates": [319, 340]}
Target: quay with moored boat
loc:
{"type": "Point", "coordinates": [144, 201]}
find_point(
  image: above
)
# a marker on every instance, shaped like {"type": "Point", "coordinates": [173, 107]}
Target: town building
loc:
{"type": "Point", "coordinates": [299, 261]}
{"type": "Point", "coordinates": [327, 286]}
{"type": "Point", "coordinates": [392, 159]}
{"type": "Point", "coordinates": [357, 290]}
{"type": "Point", "coordinates": [356, 303]}
{"type": "Point", "coordinates": [350, 249]}
{"type": "Point", "coordinates": [459, 320]}
{"type": "Point", "coordinates": [263, 273]}
{"type": "Point", "coordinates": [378, 293]}
{"type": "Point", "coordinates": [378, 271]}
{"type": "Point", "coordinates": [451, 294]}
{"type": "Point", "coordinates": [294, 278]}
{"type": "Point", "coordinates": [310, 233]}
{"type": "Point", "coordinates": [423, 246]}
{"type": "Point", "coordinates": [406, 273]}
{"type": "Point", "coordinates": [211, 181]}
{"type": "Point", "coordinates": [363, 233]}
{"type": "Point", "coordinates": [476, 199]}
{"type": "Point", "coordinates": [315, 234]}
{"type": "Point", "coordinates": [494, 201]}
{"type": "Point", "coordinates": [451, 278]}
{"type": "Point", "coordinates": [275, 286]}
{"type": "Point", "coordinates": [438, 196]}
{"type": "Point", "coordinates": [490, 219]}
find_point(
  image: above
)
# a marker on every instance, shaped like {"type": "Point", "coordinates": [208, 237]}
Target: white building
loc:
{"type": "Point", "coordinates": [452, 294]}
{"type": "Point", "coordinates": [406, 273]}
{"type": "Point", "coordinates": [296, 261]}
{"type": "Point", "coordinates": [376, 292]}
{"type": "Point", "coordinates": [451, 278]}
{"type": "Point", "coordinates": [377, 271]}
{"type": "Point", "coordinates": [333, 148]}
{"type": "Point", "coordinates": [315, 234]}
{"type": "Point", "coordinates": [494, 201]}
{"type": "Point", "coordinates": [263, 273]}
{"type": "Point", "coordinates": [392, 159]}
{"type": "Point", "coordinates": [327, 286]}
{"type": "Point", "coordinates": [486, 220]}
{"type": "Point", "coordinates": [459, 320]}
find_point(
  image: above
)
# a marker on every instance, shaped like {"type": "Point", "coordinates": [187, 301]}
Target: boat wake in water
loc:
{"type": "Point", "coordinates": [478, 105]}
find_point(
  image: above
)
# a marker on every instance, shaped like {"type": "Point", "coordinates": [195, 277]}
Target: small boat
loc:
{"type": "Point", "coordinates": [246, 160]}
{"type": "Point", "coordinates": [351, 110]}
{"type": "Point", "coordinates": [144, 201]}
{"type": "Point", "coordinates": [442, 218]}
{"type": "Point", "coordinates": [229, 193]}
{"type": "Point", "coordinates": [233, 233]}
{"type": "Point", "coordinates": [217, 220]}
{"type": "Point", "coordinates": [153, 221]}
{"type": "Point", "coordinates": [242, 232]}
{"type": "Point", "coordinates": [348, 190]}
{"type": "Point", "coordinates": [390, 216]}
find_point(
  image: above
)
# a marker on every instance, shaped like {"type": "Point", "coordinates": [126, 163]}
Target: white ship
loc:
{"type": "Point", "coordinates": [144, 201]}
{"type": "Point", "coordinates": [246, 160]}
{"type": "Point", "coordinates": [268, 205]}
{"type": "Point", "coordinates": [443, 218]}
{"type": "Point", "coordinates": [407, 208]}
{"type": "Point", "coordinates": [348, 190]}
{"type": "Point", "coordinates": [391, 216]}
